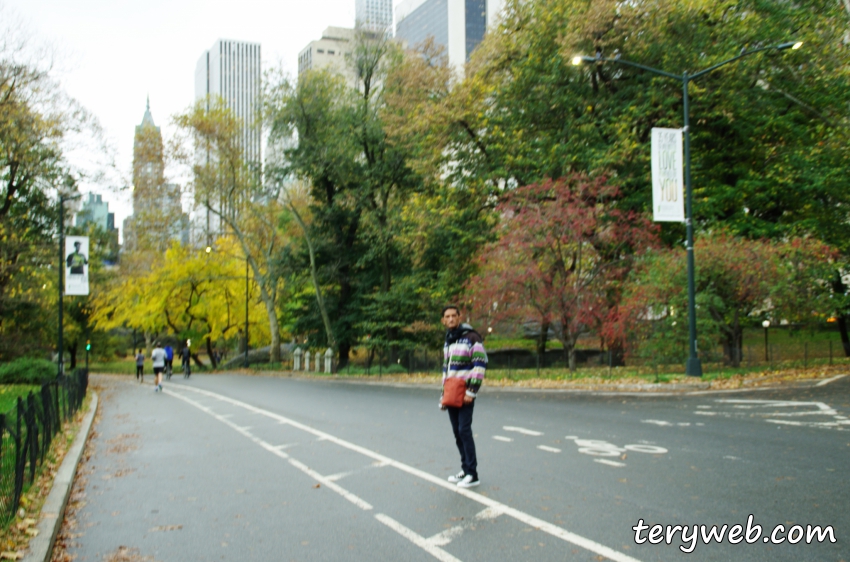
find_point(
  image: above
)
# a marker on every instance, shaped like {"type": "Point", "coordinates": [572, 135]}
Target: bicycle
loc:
{"type": "Point", "coordinates": [168, 370]}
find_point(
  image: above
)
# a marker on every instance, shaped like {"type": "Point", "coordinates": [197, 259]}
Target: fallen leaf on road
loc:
{"type": "Point", "coordinates": [317, 486]}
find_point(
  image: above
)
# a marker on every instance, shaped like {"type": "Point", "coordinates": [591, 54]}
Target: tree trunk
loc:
{"type": "Point", "coordinates": [211, 354]}
{"type": "Point", "coordinates": [542, 338]}
{"type": "Point", "coordinates": [344, 352]}
{"type": "Point", "coordinates": [839, 288]}
{"type": "Point", "coordinates": [72, 351]}
{"type": "Point", "coordinates": [842, 329]}
{"type": "Point", "coordinates": [315, 277]}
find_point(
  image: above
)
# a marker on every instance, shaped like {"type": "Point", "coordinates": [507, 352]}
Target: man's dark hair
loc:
{"type": "Point", "coordinates": [449, 307]}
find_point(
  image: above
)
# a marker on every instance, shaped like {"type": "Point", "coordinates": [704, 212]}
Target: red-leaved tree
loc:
{"type": "Point", "coordinates": [561, 256]}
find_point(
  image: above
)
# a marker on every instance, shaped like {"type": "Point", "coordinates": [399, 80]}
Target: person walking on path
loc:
{"type": "Point", "coordinates": [186, 357]}
{"type": "Point", "coordinates": [158, 359]}
{"type": "Point", "coordinates": [140, 366]}
{"type": "Point", "coordinates": [464, 357]}
{"type": "Point", "coordinates": [169, 361]}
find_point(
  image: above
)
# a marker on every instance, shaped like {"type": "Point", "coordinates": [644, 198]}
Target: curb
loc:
{"type": "Point", "coordinates": [53, 510]}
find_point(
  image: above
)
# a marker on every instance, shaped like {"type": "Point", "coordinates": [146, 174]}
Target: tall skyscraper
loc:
{"type": "Point", "coordinates": [374, 15]}
{"type": "Point", "coordinates": [157, 212]}
{"type": "Point", "coordinates": [330, 52]}
{"type": "Point", "coordinates": [231, 70]}
{"type": "Point", "coordinates": [457, 25]}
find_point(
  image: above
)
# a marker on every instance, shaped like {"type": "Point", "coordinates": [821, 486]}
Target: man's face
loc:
{"type": "Point", "coordinates": [451, 319]}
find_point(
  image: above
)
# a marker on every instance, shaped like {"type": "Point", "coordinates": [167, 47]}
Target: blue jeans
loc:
{"type": "Point", "coordinates": [461, 419]}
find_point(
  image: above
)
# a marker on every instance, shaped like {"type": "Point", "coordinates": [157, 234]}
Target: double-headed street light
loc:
{"type": "Point", "coordinates": [694, 366]}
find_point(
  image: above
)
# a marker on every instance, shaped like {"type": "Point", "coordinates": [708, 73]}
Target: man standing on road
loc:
{"type": "Point", "coordinates": [463, 357]}
{"type": "Point", "coordinates": [158, 359]}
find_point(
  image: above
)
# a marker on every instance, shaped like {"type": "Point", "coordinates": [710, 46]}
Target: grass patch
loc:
{"type": "Point", "coordinates": [9, 394]}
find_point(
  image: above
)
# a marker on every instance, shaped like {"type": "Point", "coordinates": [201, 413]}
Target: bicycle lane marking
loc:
{"type": "Point", "coordinates": [521, 516]}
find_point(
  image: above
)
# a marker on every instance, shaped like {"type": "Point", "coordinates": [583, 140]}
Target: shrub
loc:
{"type": "Point", "coordinates": [27, 371]}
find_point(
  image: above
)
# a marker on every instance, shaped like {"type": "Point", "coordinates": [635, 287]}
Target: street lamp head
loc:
{"type": "Point", "coordinates": [208, 250]}
{"type": "Point", "coordinates": [789, 45]}
{"type": "Point", "coordinates": [797, 45]}
{"type": "Point", "coordinates": [766, 324]}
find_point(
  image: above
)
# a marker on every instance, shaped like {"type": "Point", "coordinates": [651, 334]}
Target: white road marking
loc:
{"type": "Point", "coordinates": [522, 430]}
{"type": "Point", "coordinates": [550, 449]}
{"type": "Point", "coordinates": [822, 409]}
{"type": "Point", "coordinates": [649, 449]}
{"type": "Point", "coordinates": [827, 425]}
{"type": "Point", "coordinates": [276, 451]}
{"type": "Point", "coordinates": [657, 422]}
{"type": "Point", "coordinates": [703, 406]}
{"type": "Point", "coordinates": [571, 437]}
{"type": "Point", "coordinates": [609, 463]}
{"type": "Point", "coordinates": [731, 458]}
{"type": "Point", "coordinates": [829, 380]}
{"type": "Point", "coordinates": [447, 536]}
{"type": "Point", "coordinates": [339, 475]}
{"type": "Point", "coordinates": [501, 438]}
{"type": "Point", "coordinates": [701, 413]}
{"type": "Point", "coordinates": [416, 539]}
{"type": "Point", "coordinates": [530, 520]}
{"type": "Point", "coordinates": [683, 424]}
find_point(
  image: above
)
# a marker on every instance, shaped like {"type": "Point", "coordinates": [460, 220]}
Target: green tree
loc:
{"type": "Point", "coordinates": [229, 187]}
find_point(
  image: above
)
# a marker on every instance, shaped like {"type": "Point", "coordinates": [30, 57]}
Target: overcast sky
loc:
{"type": "Point", "coordinates": [115, 53]}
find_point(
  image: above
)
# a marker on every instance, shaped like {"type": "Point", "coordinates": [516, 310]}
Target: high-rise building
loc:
{"type": "Point", "coordinates": [374, 15]}
{"type": "Point", "coordinates": [157, 211]}
{"type": "Point", "coordinates": [457, 25]}
{"type": "Point", "coordinates": [330, 52]}
{"type": "Point", "coordinates": [95, 210]}
{"type": "Point", "coordinates": [231, 70]}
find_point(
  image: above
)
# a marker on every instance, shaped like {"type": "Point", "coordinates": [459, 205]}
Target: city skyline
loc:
{"type": "Point", "coordinates": [111, 58]}
{"type": "Point", "coordinates": [105, 57]}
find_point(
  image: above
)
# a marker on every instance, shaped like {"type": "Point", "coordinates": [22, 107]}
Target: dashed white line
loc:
{"type": "Point", "coordinates": [657, 422]}
{"type": "Point", "coordinates": [829, 380]}
{"type": "Point", "coordinates": [502, 438]}
{"type": "Point", "coordinates": [609, 463]}
{"type": "Point", "coordinates": [416, 538]}
{"type": "Point", "coordinates": [522, 430]}
{"type": "Point", "coordinates": [530, 520]}
{"type": "Point", "coordinates": [549, 449]}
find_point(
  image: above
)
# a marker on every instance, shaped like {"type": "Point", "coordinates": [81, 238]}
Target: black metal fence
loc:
{"type": "Point", "coordinates": [788, 354]}
{"type": "Point", "coordinates": [27, 430]}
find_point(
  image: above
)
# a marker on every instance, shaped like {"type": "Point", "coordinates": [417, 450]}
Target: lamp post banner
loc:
{"type": "Point", "coordinates": [76, 265]}
{"type": "Point", "coordinates": [668, 184]}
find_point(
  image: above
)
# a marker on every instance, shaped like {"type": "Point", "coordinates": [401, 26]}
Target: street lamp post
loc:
{"type": "Point", "coordinates": [62, 199]}
{"type": "Point", "coordinates": [766, 325]}
{"type": "Point", "coordinates": [693, 366]}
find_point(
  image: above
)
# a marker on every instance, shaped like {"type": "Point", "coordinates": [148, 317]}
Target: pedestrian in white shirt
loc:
{"type": "Point", "coordinates": [158, 358]}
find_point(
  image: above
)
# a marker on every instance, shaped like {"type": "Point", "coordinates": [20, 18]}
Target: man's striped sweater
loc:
{"type": "Point", "coordinates": [464, 357]}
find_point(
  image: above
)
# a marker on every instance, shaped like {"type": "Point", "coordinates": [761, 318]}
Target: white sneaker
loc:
{"type": "Point", "coordinates": [468, 481]}
{"type": "Point", "coordinates": [455, 478]}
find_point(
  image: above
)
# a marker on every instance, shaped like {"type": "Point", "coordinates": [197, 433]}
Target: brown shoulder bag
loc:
{"type": "Point", "coordinates": [454, 389]}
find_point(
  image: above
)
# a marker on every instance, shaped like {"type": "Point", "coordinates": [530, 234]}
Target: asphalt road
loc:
{"type": "Point", "coordinates": [260, 468]}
